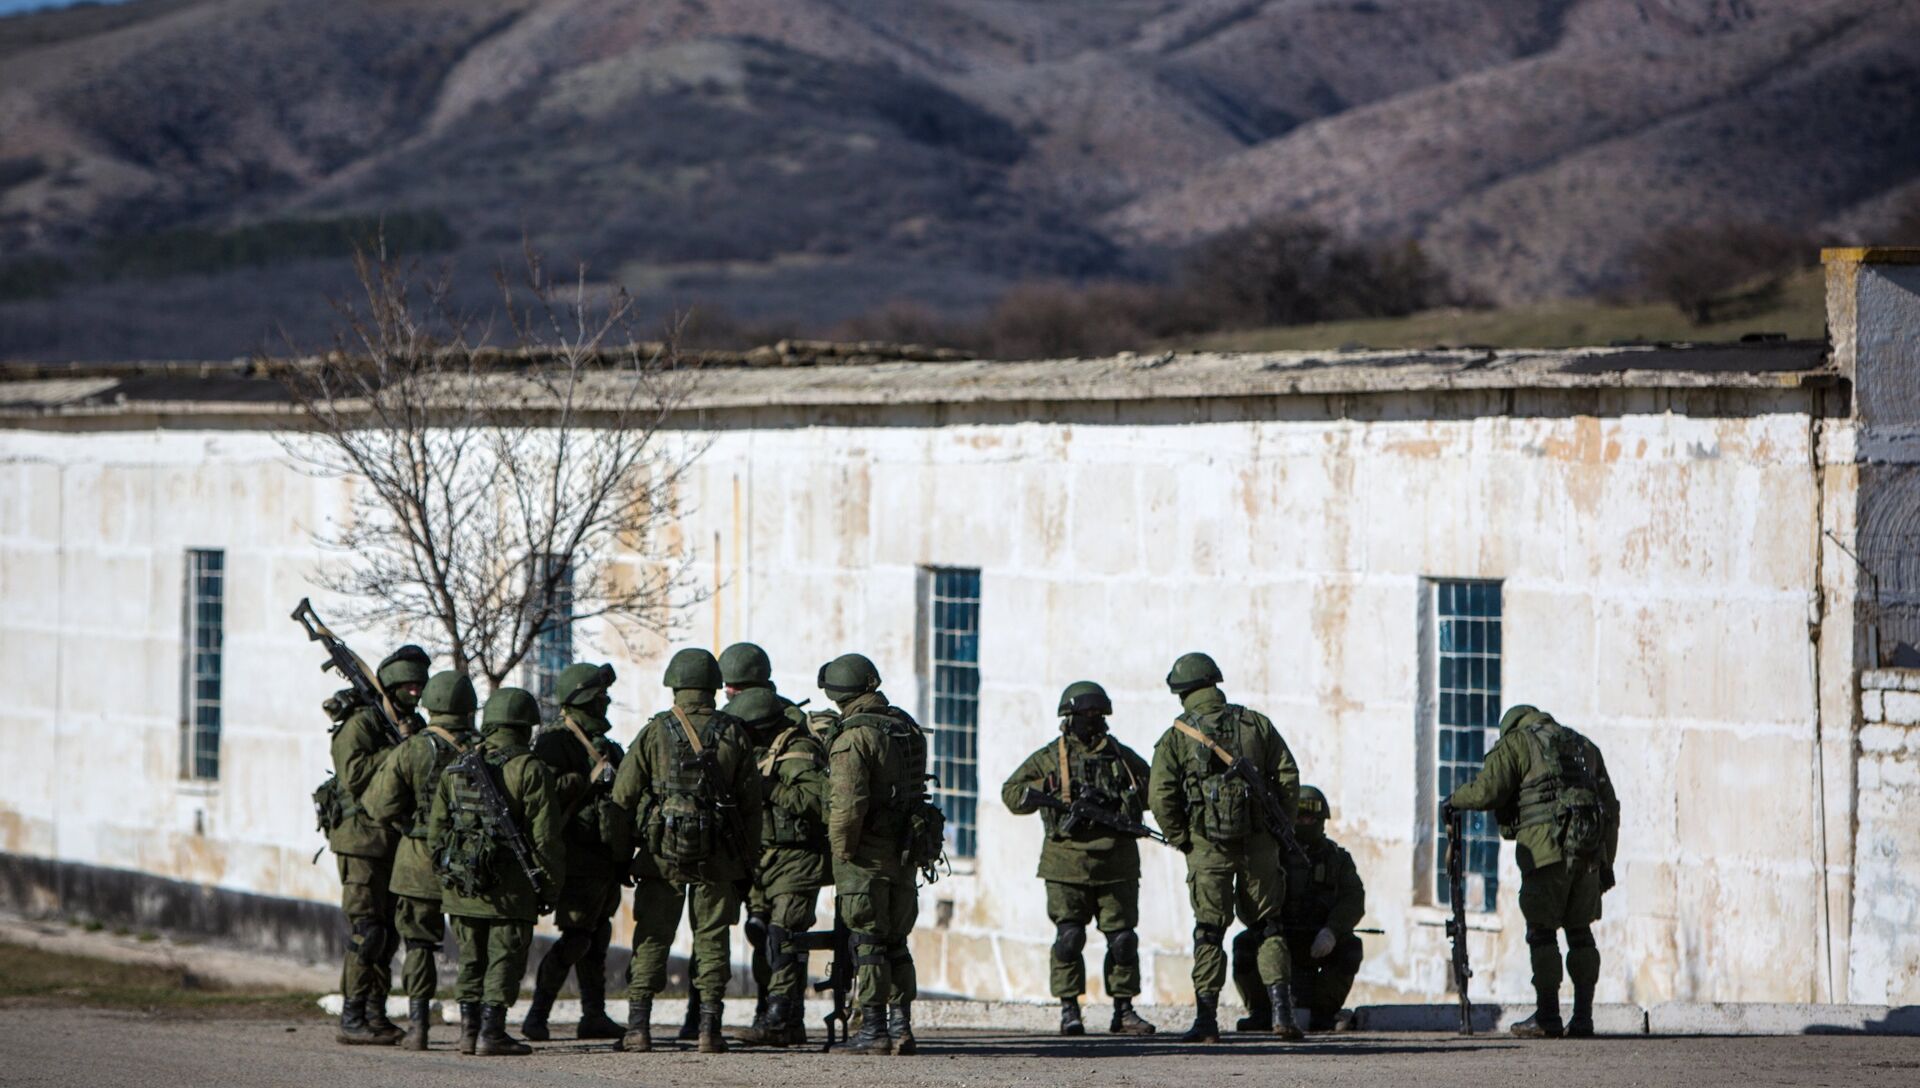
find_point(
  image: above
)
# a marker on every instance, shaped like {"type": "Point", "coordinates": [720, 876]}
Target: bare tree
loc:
{"type": "Point", "coordinates": [497, 491]}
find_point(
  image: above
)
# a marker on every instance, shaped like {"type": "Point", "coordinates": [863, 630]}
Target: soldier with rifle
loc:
{"type": "Point", "coordinates": [690, 788]}
{"type": "Point", "coordinates": [370, 720]}
{"type": "Point", "coordinates": [1325, 901]}
{"type": "Point", "coordinates": [1548, 787]}
{"type": "Point", "coordinates": [1224, 789]}
{"type": "Point", "coordinates": [1090, 791]}
{"type": "Point", "coordinates": [496, 839]}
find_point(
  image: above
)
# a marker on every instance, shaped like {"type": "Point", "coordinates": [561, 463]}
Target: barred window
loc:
{"type": "Point", "coordinates": [205, 621]}
{"type": "Point", "coordinates": [952, 655]}
{"type": "Point", "coordinates": [550, 586]}
{"type": "Point", "coordinates": [1464, 649]}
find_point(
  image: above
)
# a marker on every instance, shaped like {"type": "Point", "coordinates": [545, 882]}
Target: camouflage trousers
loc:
{"type": "Point", "coordinates": [1253, 892]}
{"type": "Point", "coordinates": [1116, 909]}
{"type": "Point", "coordinates": [711, 909]}
{"type": "Point", "coordinates": [422, 927]}
{"type": "Point", "coordinates": [1319, 986]}
{"type": "Point", "coordinates": [881, 917]}
{"type": "Point", "coordinates": [493, 958]}
{"type": "Point", "coordinates": [779, 970]}
{"type": "Point", "coordinates": [371, 940]}
{"type": "Point", "coordinates": [1555, 897]}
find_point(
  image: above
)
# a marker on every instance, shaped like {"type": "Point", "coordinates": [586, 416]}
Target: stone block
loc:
{"type": "Point", "coordinates": [1883, 738]}
{"type": "Point", "coordinates": [1891, 679]}
{"type": "Point", "coordinates": [1902, 707]}
{"type": "Point", "coordinates": [1872, 706]}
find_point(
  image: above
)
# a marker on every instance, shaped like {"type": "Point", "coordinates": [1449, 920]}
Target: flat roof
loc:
{"type": "Point", "coordinates": [830, 375]}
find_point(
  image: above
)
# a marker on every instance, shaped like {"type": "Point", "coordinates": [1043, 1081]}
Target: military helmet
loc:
{"type": "Point", "coordinates": [744, 664]}
{"type": "Point", "coordinates": [510, 707]}
{"type": "Point", "coordinates": [449, 692]}
{"type": "Point", "coordinates": [692, 668]}
{"type": "Point", "coordinates": [1313, 805]}
{"type": "Point", "coordinates": [1084, 697]}
{"type": "Point", "coordinates": [407, 665]}
{"type": "Point", "coordinates": [756, 707]}
{"type": "Point", "coordinates": [1518, 714]}
{"type": "Point", "coordinates": [581, 683]}
{"type": "Point", "coordinates": [1193, 672]}
{"type": "Point", "coordinates": [849, 675]}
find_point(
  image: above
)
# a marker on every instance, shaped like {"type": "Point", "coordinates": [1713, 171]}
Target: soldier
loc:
{"type": "Point", "coordinates": [364, 849]}
{"type": "Point", "coordinates": [878, 766]}
{"type": "Point", "coordinates": [599, 838]}
{"type": "Point", "coordinates": [1233, 859]}
{"type": "Point", "coordinates": [689, 782]}
{"type": "Point", "coordinates": [489, 896]}
{"type": "Point", "coordinates": [793, 859]}
{"type": "Point", "coordinates": [1325, 901]}
{"type": "Point", "coordinates": [1092, 871]}
{"type": "Point", "coordinates": [1548, 786]}
{"type": "Point", "coordinates": [401, 797]}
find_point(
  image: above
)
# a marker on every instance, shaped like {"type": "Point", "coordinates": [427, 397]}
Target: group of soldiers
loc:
{"type": "Point", "coordinates": [759, 803]}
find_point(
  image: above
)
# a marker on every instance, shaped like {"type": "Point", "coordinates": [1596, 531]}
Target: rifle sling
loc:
{"type": "Point", "coordinates": [439, 731]}
{"type": "Point", "coordinates": [686, 726]}
{"type": "Point", "coordinates": [593, 754]}
{"type": "Point", "coordinates": [1066, 772]}
{"type": "Point", "coordinates": [1226, 757]}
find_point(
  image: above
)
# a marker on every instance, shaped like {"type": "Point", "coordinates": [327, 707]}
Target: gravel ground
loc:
{"type": "Point", "coordinates": [96, 1049]}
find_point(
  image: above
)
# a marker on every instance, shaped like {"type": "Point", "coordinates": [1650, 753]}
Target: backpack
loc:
{"type": "Point", "coordinates": [1569, 792]}
{"type": "Point", "coordinates": [330, 804]}
{"type": "Point", "coordinates": [1225, 807]}
{"type": "Point", "coordinates": [683, 825]}
{"type": "Point", "coordinates": [467, 858]}
{"type": "Point", "coordinates": [925, 845]}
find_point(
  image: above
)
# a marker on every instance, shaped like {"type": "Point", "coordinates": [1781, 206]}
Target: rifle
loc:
{"type": "Point", "coordinates": [1457, 925]}
{"type": "Point", "coordinates": [498, 818]}
{"type": "Point", "coordinates": [839, 980]}
{"type": "Point", "coordinates": [340, 659]}
{"type": "Point", "coordinates": [1087, 808]}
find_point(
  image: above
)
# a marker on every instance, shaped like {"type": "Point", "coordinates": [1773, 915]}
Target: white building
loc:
{"type": "Point", "coordinates": [1695, 555]}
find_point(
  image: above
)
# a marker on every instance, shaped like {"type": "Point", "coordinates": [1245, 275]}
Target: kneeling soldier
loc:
{"type": "Point", "coordinates": [689, 781]}
{"type": "Point", "coordinates": [401, 796]}
{"type": "Point", "coordinates": [1091, 871]}
{"type": "Point", "coordinates": [1325, 901]}
{"type": "Point", "coordinates": [793, 858]}
{"type": "Point", "coordinates": [599, 841]}
{"type": "Point", "coordinates": [490, 897]}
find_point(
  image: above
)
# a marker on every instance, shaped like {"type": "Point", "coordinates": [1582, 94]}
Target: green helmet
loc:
{"type": "Point", "coordinates": [1193, 672]}
{"type": "Point", "coordinates": [1519, 714]}
{"type": "Point", "coordinates": [756, 706]}
{"type": "Point", "coordinates": [581, 683]}
{"type": "Point", "coordinates": [849, 675]}
{"type": "Point", "coordinates": [407, 665]}
{"type": "Point", "coordinates": [1085, 697]}
{"type": "Point", "coordinates": [510, 707]}
{"type": "Point", "coordinates": [449, 693]}
{"type": "Point", "coordinates": [745, 665]}
{"type": "Point", "coordinates": [1313, 805]}
{"type": "Point", "coordinates": [692, 668]}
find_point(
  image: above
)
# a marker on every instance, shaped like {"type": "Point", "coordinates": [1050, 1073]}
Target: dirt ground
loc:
{"type": "Point", "coordinates": [108, 1048]}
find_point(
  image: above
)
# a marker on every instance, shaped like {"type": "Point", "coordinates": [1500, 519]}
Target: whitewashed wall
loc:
{"type": "Point", "coordinates": [1659, 570]}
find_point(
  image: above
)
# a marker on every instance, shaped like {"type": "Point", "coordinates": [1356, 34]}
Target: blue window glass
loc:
{"type": "Point", "coordinates": [1467, 705]}
{"type": "Point", "coordinates": [551, 590]}
{"type": "Point", "coordinates": [953, 641]}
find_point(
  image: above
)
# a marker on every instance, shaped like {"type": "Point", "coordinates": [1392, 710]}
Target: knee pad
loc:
{"type": "Point", "coordinates": [756, 928]}
{"type": "Point", "coordinates": [868, 949]}
{"type": "Point", "coordinates": [1207, 936]}
{"type": "Point", "coordinates": [572, 945]}
{"type": "Point", "coordinates": [899, 953]}
{"type": "Point", "coordinates": [1543, 936]}
{"type": "Point", "coordinates": [779, 955]}
{"type": "Point", "coordinates": [1123, 947]}
{"type": "Point", "coordinates": [1069, 938]}
{"type": "Point", "coordinates": [1580, 938]}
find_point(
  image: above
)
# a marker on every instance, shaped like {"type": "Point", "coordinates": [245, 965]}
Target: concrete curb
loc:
{"type": "Point", "coordinates": [1030, 1018]}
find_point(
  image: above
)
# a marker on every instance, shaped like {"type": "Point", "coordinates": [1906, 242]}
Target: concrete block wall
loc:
{"type": "Point", "coordinates": [1885, 967]}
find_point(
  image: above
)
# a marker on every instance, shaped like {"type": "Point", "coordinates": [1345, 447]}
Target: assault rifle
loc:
{"type": "Point", "coordinates": [1457, 925]}
{"type": "Point", "coordinates": [340, 659]}
{"type": "Point", "coordinates": [1092, 807]}
{"type": "Point", "coordinates": [1278, 821]}
{"type": "Point", "coordinates": [839, 980]}
{"type": "Point", "coordinates": [498, 818]}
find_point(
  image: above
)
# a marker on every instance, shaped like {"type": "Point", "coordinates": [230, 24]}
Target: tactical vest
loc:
{"type": "Point", "coordinates": [1101, 772]}
{"type": "Point", "coordinates": [782, 826]}
{"type": "Point", "coordinates": [444, 753]}
{"type": "Point", "coordinates": [469, 856]}
{"type": "Point", "coordinates": [1312, 888]}
{"type": "Point", "coordinates": [905, 812]}
{"type": "Point", "coordinates": [684, 824]}
{"type": "Point", "coordinates": [1221, 810]}
{"type": "Point", "coordinates": [333, 803]}
{"type": "Point", "coordinates": [1560, 789]}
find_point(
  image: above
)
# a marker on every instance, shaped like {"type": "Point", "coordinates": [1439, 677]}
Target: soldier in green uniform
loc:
{"type": "Point", "coordinates": [1233, 859]}
{"type": "Point", "coordinates": [599, 838]}
{"type": "Point", "coordinates": [689, 782]}
{"type": "Point", "coordinates": [489, 897]}
{"type": "Point", "coordinates": [1091, 872]}
{"type": "Point", "coordinates": [401, 797]}
{"type": "Point", "coordinates": [364, 848]}
{"type": "Point", "coordinates": [877, 763]}
{"type": "Point", "coordinates": [1325, 901]}
{"type": "Point", "coordinates": [793, 858]}
{"type": "Point", "coordinates": [1548, 786]}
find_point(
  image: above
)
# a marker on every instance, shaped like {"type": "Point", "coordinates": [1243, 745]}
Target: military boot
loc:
{"type": "Point", "coordinates": [494, 1041]}
{"type": "Point", "coordinates": [872, 1038]}
{"type": "Point", "coordinates": [1580, 1025]}
{"type": "Point", "coordinates": [419, 1009]}
{"type": "Point", "coordinates": [690, 1027]}
{"type": "Point", "coordinates": [469, 1026]}
{"type": "Point", "coordinates": [1128, 1022]}
{"type": "Point", "coordinates": [900, 1028]}
{"type": "Point", "coordinates": [1545, 1021]}
{"type": "Point", "coordinates": [385, 1031]}
{"type": "Point", "coordinates": [711, 1041]}
{"type": "Point", "coordinates": [1206, 1020]}
{"type": "Point", "coordinates": [770, 1024]}
{"type": "Point", "coordinates": [535, 1025]}
{"type": "Point", "coordinates": [353, 1024]}
{"type": "Point", "coordinates": [639, 1035]}
{"type": "Point", "coordinates": [793, 1021]}
{"type": "Point", "coordinates": [1285, 1024]}
{"type": "Point", "coordinates": [1070, 1022]}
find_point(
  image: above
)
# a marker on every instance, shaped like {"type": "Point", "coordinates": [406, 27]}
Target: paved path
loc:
{"type": "Point", "coordinates": [81, 1047]}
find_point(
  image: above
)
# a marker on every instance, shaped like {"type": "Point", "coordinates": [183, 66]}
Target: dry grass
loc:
{"type": "Point", "coordinates": [32, 977]}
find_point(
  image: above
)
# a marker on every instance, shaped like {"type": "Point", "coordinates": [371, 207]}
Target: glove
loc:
{"type": "Point", "coordinates": [1322, 944]}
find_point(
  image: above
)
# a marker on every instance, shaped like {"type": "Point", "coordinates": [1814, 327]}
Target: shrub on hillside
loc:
{"type": "Point", "coordinates": [1717, 271]}
{"type": "Point", "coordinates": [1286, 271]}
